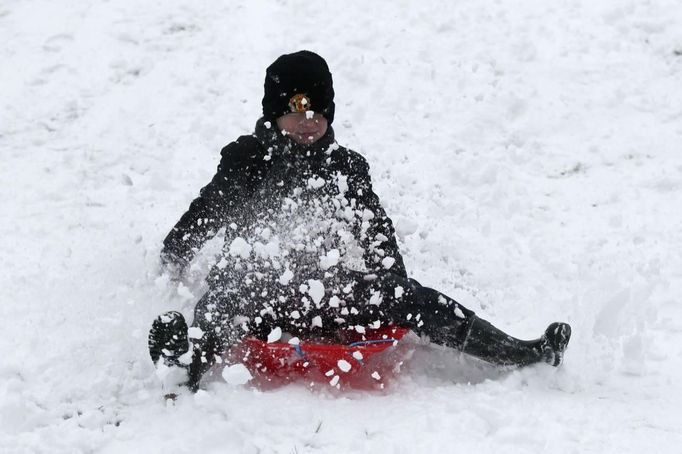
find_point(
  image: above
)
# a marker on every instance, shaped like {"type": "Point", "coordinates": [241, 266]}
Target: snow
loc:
{"type": "Point", "coordinates": [334, 301]}
{"type": "Point", "coordinates": [240, 248]}
{"type": "Point", "coordinates": [316, 183]}
{"type": "Point", "coordinates": [344, 365]}
{"type": "Point", "coordinates": [286, 277]}
{"type": "Point", "coordinates": [387, 262]}
{"type": "Point", "coordinates": [330, 259]}
{"type": "Point", "coordinates": [236, 374]}
{"type": "Point", "coordinates": [316, 290]}
{"type": "Point", "coordinates": [375, 298]}
{"type": "Point", "coordinates": [275, 334]}
{"type": "Point", "coordinates": [268, 250]}
{"type": "Point", "coordinates": [195, 332]}
{"type": "Point", "coordinates": [528, 151]}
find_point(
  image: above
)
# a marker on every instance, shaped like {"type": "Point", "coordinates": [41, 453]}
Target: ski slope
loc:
{"type": "Point", "coordinates": [530, 154]}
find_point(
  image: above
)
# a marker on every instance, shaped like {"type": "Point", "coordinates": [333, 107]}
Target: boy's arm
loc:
{"type": "Point", "coordinates": [206, 214]}
{"type": "Point", "coordinates": [378, 234]}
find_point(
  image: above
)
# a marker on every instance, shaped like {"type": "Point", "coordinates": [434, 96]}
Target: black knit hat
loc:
{"type": "Point", "coordinates": [296, 83]}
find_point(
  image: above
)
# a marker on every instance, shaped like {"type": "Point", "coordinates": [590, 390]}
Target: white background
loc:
{"type": "Point", "coordinates": [530, 154]}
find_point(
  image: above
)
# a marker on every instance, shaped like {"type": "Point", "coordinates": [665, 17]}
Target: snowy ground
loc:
{"type": "Point", "coordinates": [530, 153]}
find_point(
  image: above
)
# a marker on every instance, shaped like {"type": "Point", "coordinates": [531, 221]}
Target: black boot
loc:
{"type": "Point", "coordinates": [486, 342]}
{"type": "Point", "coordinates": [168, 338]}
{"type": "Point", "coordinates": [555, 340]}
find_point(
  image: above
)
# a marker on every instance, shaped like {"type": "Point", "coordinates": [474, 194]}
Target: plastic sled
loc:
{"type": "Point", "coordinates": [356, 361]}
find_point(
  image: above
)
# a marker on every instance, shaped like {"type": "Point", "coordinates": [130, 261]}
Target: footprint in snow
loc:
{"type": "Point", "coordinates": [57, 42]}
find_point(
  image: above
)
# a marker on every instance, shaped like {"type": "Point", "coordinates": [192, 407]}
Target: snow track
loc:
{"type": "Point", "coordinates": [529, 153]}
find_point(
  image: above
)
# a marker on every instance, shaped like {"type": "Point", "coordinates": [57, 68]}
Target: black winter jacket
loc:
{"type": "Point", "coordinates": [285, 205]}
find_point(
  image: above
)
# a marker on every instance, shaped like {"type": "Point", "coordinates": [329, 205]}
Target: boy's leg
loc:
{"type": "Point", "coordinates": [168, 337]}
{"type": "Point", "coordinates": [405, 302]}
{"type": "Point", "coordinates": [214, 315]}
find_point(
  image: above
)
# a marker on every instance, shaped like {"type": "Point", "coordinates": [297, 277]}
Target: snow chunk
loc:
{"type": "Point", "coordinates": [399, 291]}
{"type": "Point", "coordinates": [334, 380]}
{"type": "Point", "coordinates": [375, 298]}
{"type": "Point", "coordinates": [458, 312]}
{"type": "Point", "coordinates": [195, 332]}
{"type": "Point", "coordinates": [315, 290]}
{"type": "Point", "coordinates": [333, 147]}
{"type": "Point", "coordinates": [329, 373]}
{"type": "Point", "coordinates": [330, 259]}
{"type": "Point", "coordinates": [344, 365]}
{"type": "Point", "coordinates": [367, 214]}
{"type": "Point", "coordinates": [236, 374]}
{"type": "Point", "coordinates": [309, 114]}
{"type": "Point", "coordinates": [295, 315]}
{"type": "Point", "coordinates": [239, 247]}
{"type": "Point", "coordinates": [317, 321]}
{"type": "Point", "coordinates": [286, 277]}
{"type": "Point", "coordinates": [376, 376]}
{"type": "Point", "coordinates": [316, 183]}
{"type": "Point", "coordinates": [275, 335]}
{"type": "Point", "coordinates": [186, 358]}
{"type": "Point", "coordinates": [357, 355]}
{"type": "Point", "coordinates": [294, 341]}
{"type": "Point", "coordinates": [388, 262]}
{"type": "Point", "coordinates": [266, 233]}
{"type": "Point", "coordinates": [334, 301]}
{"type": "Point", "coordinates": [342, 183]}
{"type": "Point", "coordinates": [269, 250]}
{"type": "Point", "coordinates": [406, 227]}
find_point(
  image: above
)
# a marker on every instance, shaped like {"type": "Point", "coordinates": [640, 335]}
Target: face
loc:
{"type": "Point", "coordinates": [303, 127]}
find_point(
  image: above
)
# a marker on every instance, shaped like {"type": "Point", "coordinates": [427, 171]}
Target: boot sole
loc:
{"type": "Point", "coordinates": [558, 340]}
{"type": "Point", "coordinates": [168, 337]}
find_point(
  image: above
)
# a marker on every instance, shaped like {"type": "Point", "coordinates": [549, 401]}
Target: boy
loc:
{"type": "Point", "coordinates": [308, 248]}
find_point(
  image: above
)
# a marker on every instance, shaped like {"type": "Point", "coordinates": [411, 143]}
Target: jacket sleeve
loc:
{"type": "Point", "coordinates": [209, 212]}
{"type": "Point", "coordinates": [377, 232]}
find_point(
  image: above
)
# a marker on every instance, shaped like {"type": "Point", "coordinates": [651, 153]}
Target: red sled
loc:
{"type": "Point", "coordinates": [366, 360]}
